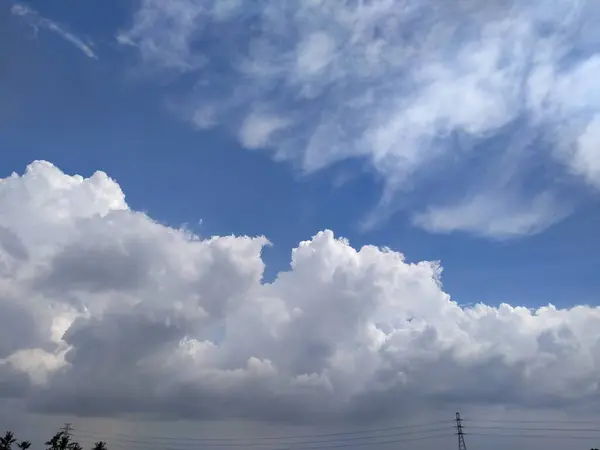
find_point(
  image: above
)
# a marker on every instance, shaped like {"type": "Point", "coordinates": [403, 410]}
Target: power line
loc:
{"type": "Point", "coordinates": [531, 421]}
{"type": "Point", "coordinates": [248, 442]}
{"type": "Point", "coordinates": [286, 437]}
{"type": "Point", "coordinates": [395, 441]}
{"type": "Point", "coordinates": [291, 446]}
{"type": "Point", "coordinates": [533, 429]}
{"type": "Point", "coordinates": [367, 437]}
{"type": "Point", "coordinates": [535, 436]}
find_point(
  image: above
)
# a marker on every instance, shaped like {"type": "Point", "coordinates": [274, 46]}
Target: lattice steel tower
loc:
{"type": "Point", "coordinates": [460, 433]}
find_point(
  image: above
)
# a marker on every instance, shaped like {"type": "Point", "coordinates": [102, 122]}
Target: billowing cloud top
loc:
{"type": "Point", "coordinates": [460, 103]}
{"type": "Point", "coordinates": [105, 311]}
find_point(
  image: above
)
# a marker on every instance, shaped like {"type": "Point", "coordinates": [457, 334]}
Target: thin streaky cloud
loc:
{"type": "Point", "coordinates": [442, 101]}
{"type": "Point", "coordinates": [37, 21]}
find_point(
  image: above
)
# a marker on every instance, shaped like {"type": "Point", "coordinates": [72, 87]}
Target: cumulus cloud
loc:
{"type": "Point", "coordinates": [418, 89]}
{"type": "Point", "coordinates": [104, 311]}
{"type": "Point", "coordinates": [37, 22]}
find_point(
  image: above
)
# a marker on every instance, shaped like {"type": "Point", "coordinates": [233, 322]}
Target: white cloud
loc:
{"type": "Point", "coordinates": [492, 216]}
{"type": "Point", "coordinates": [394, 83]}
{"type": "Point", "coordinates": [258, 128]}
{"type": "Point", "coordinates": [37, 21]}
{"type": "Point", "coordinates": [203, 118]}
{"type": "Point", "coordinates": [314, 53]}
{"type": "Point", "coordinates": [105, 311]}
{"type": "Point", "coordinates": [586, 158]}
{"type": "Point", "coordinates": [175, 24]}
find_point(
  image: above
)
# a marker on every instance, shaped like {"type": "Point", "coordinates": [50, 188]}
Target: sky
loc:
{"type": "Point", "coordinates": [228, 218]}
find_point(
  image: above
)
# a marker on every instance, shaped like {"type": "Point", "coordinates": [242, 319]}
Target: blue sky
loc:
{"type": "Point", "coordinates": [112, 113]}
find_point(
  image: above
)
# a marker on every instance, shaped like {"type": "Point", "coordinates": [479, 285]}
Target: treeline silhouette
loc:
{"type": "Point", "coordinates": [60, 441]}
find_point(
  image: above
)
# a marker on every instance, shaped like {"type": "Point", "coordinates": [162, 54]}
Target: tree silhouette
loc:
{"type": "Point", "coordinates": [7, 440]}
{"type": "Point", "coordinates": [57, 442]}
{"type": "Point", "coordinates": [60, 441]}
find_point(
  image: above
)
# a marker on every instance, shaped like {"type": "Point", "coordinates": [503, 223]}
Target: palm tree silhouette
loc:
{"type": "Point", "coordinates": [7, 440]}
{"type": "Point", "coordinates": [100, 445]}
{"type": "Point", "coordinates": [60, 441]}
{"type": "Point", "coordinates": [55, 441]}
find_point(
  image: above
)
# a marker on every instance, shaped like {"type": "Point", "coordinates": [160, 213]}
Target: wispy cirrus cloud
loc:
{"type": "Point", "coordinates": [431, 95]}
{"type": "Point", "coordinates": [37, 21]}
{"type": "Point", "coordinates": [493, 216]}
